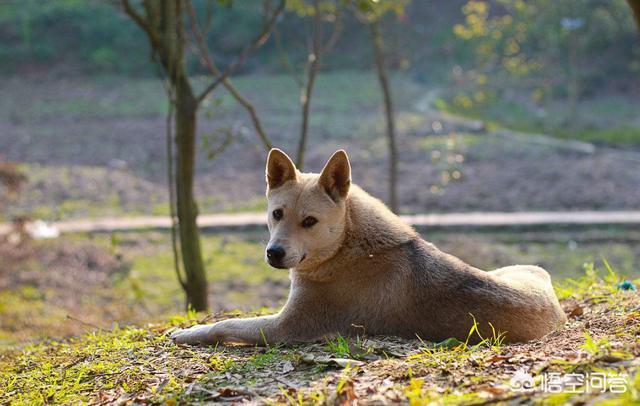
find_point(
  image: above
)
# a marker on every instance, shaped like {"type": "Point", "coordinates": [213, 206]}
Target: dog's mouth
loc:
{"type": "Point", "coordinates": [278, 264]}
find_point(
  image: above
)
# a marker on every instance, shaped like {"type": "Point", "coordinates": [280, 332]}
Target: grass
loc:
{"type": "Point", "coordinates": [608, 120]}
{"type": "Point", "coordinates": [337, 94]}
{"type": "Point", "coordinates": [140, 364]}
{"type": "Point", "coordinates": [234, 259]}
{"type": "Point", "coordinates": [624, 135]}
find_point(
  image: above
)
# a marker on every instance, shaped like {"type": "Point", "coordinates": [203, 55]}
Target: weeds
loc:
{"type": "Point", "coordinates": [344, 347]}
{"type": "Point", "coordinates": [339, 346]}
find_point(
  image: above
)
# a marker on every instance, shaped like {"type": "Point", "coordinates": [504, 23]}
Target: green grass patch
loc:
{"type": "Point", "coordinates": [609, 120]}
{"type": "Point", "coordinates": [624, 135]}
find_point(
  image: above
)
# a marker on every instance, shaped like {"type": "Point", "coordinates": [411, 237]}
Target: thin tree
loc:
{"type": "Point", "coordinates": [163, 23]}
{"type": "Point", "coordinates": [383, 79]}
{"type": "Point", "coordinates": [317, 45]}
{"type": "Point", "coordinates": [371, 14]}
{"type": "Point", "coordinates": [313, 64]}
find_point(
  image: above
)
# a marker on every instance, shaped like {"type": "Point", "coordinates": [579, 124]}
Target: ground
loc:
{"type": "Point", "coordinates": [142, 365]}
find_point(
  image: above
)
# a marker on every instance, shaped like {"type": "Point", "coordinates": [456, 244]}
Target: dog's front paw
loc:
{"type": "Point", "coordinates": [202, 334]}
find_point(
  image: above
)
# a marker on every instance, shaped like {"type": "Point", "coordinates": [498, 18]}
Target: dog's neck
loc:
{"type": "Point", "coordinates": [370, 227]}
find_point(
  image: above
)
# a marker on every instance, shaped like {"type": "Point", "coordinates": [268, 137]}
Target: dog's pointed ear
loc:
{"type": "Point", "coordinates": [280, 169]}
{"type": "Point", "coordinates": [336, 176]}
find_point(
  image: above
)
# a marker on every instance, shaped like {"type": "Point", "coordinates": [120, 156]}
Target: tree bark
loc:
{"type": "Point", "coordinates": [379, 59]}
{"type": "Point", "coordinates": [185, 110]}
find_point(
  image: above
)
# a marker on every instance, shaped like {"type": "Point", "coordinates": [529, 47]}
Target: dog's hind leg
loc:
{"type": "Point", "coordinates": [535, 282]}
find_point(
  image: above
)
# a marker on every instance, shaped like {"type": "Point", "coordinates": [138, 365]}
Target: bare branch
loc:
{"type": "Point", "coordinates": [335, 34]}
{"type": "Point", "coordinates": [255, 44]}
{"type": "Point", "coordinates": [207, 60]}
{"type": "Point", "coordinates": [286, 62]}
{"type": "Point", "coordinates": [208, 20]}
{"type": "Point", "coordinates": [156, 44]}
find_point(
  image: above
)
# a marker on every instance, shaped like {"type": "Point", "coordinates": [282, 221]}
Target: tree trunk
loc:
{"type": "Point", "coordinates": [185, 110]}
{"type": "Point", "coordinates": [378, 50]}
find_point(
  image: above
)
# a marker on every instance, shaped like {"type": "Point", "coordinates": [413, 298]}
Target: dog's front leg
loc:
{"type": "Point", "coordinates": [255, 331]}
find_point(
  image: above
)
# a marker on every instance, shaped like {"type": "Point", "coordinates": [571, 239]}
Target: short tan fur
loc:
{"type": "Point", "coordinates": [356, 268]}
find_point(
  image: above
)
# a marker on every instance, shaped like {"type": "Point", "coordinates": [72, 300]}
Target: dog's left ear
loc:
{"type": "Point", "coordinates": [336, 176]}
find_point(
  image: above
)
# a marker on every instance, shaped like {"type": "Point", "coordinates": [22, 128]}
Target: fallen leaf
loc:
{"type": "Point", "coordinates": [287, 367]}
{"type": "Point", "coordinates": [345, 362]}
{"type": "Point", "coordinates": [497, 358]}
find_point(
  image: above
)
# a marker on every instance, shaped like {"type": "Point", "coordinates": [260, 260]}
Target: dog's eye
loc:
{"type": "Point", "coordinates": [277, 214]}
{"type": "Point", "coordinates": [309, 222]}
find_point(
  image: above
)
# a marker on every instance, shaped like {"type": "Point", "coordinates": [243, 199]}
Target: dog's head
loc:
{"type": "Point", "coordinates": [306, 210]}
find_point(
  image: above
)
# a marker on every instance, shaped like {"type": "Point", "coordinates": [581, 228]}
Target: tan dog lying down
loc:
{"type": "Point", "coordinates": [357, 268]}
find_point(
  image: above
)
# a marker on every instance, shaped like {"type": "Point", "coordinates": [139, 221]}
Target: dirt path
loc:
{"type": "Point", "coordinates": [218, 222]}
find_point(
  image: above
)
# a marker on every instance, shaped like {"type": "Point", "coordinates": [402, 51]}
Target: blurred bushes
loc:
{"type": "Point", "coordinates": [83, 36]}
{"type": "Point", "coordinates": [545, 46]}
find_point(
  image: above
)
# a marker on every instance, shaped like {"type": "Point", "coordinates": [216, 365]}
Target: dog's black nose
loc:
{"type": "Point", "coordinates": [275, 253]}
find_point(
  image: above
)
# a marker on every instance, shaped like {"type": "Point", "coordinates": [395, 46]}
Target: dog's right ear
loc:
{"type": "Point", "coordinates": [335, 178]}
{"type": "Point", "coordinates": [280, 169]}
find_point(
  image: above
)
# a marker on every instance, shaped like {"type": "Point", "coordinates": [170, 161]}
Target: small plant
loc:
{"type": "Point", "coordinates": [593, 284]}
{"type": "Point", "coordinates": [220, 363]}
{"type": "Point", "coordinates": [595, 348]}
{"type": "Point", "coordinates": [453, 350]}
{"type": "Point", "coordinates": [339, 346]}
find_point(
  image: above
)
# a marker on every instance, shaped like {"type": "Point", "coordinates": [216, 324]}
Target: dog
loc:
{"type": "Point", "coordinates": [357, 268]}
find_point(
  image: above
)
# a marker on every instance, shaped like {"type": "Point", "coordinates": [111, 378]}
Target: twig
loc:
{"type": "Point", "coordinates": [335, 34]}
{"type": "Point", "coordinates": [286, 62]}
{"type": "Point", "coordinates": [284, 381]}
{"type": "Point", "coordinates": [137, 18]}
